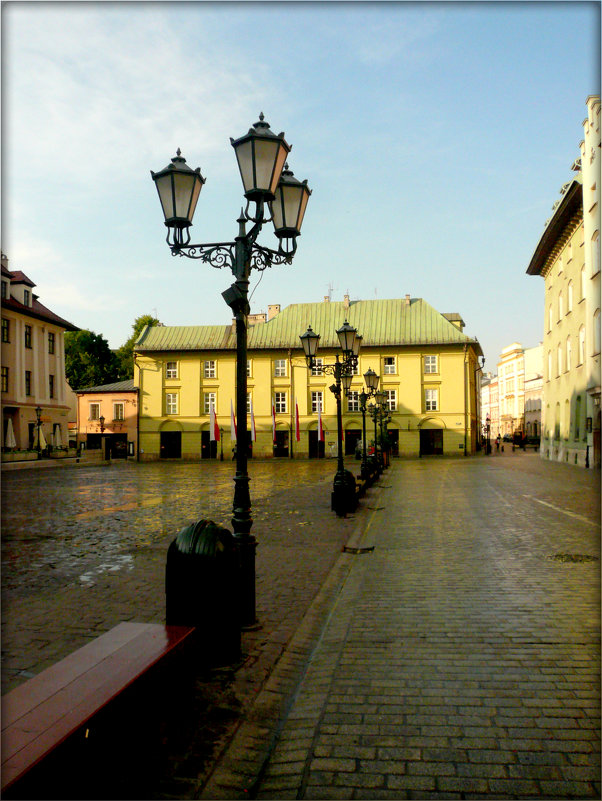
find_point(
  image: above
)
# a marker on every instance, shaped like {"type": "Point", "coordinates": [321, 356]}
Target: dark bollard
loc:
{"type": "Point", "coordinates": [201, 589]}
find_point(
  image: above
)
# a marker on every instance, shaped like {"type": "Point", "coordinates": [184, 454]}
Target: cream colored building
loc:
{"type": "Point", "coordinates": [511, 387]}
{"type": "Point", "coordinates": [428, 369]}
{"type": "Point", "coordinates": [33, 366]}
{"type": "Point", "coordinates": [568, 259]}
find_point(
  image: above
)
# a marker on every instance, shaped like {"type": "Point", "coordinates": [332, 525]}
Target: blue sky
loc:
{"type": "Point", "coordinates": [435, 138]}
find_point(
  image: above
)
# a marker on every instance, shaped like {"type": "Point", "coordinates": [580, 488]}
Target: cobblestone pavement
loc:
{"type": "Point", "coordinates": [460, 658]}
{"type": "Point", "coordinates": [84, 548]}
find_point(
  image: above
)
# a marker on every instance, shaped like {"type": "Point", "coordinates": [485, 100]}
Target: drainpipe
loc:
{"type": "Point", "coordinates": [465, 401]}
{"type": "Point", "coordinates": [292, 410]}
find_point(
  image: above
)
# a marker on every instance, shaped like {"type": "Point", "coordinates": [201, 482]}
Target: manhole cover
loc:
{"type": "Point", "coordinates": [573, 557]}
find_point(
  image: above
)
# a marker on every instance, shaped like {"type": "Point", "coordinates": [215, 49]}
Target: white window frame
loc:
{"type": "Point", "coordinates": [431, 364]}
{"type": "Point", "coordinates": [596, 332]}
{"type": "Point", "coordinates": [317, 401]}
{"type": "Point", "coordinates": [569, 299]}
{"type": "Point", "coordinates": [582, 344]}
{"type": "Point", "coordinates": [317, 370]}
{"type": "Point", "coordinates": [280, 403]}
{"type": "Point", "coordinates": [560, 306]}
{"type": "Point", "coordinates": [93, 407]}
{"type": "Point", "coordinates": [391, 399]}
{"type": "Point", "coordinates": [119, 405]}
{"type": "Point", "coordinates": [209, 399]}
{"type": "Point", "coordinates": [171, 403]}
{"type": "Point", "coordinates": [171, 372]}
{"type": "Point", "coordinates": [568, 354]}
{"type": "Point", "coordinates": [431, 400]}
{"type": "Point", "coordinates": [389, 365]}
{"type": "Point", "coordinates": [559, 358]}
{"type": "Point", "coordinates": [210, 368]}
{"type": "Point", "coordinates": [249, 375]}
{"type": "Point", "coordinates": [279, 368]}
{"type": "Point", "coordinates": [353, 401]}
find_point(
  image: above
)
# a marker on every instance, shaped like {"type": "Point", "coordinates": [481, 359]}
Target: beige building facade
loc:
{"type": "Point", "coordinates": [567, 257]}
{"type": "Point", "coordinates": [33, 368]}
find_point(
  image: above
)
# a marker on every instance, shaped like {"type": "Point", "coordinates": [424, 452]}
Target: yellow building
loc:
{"type": "Point", "coordinates": [33, 368]}
{"type": "Point", "coordinates": [428, 369]}
{"type": "Point", "coordinates": [568, 259]}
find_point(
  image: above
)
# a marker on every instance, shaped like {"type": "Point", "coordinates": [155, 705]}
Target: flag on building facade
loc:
{"type": "Point", "coordinates": [213, 426]}
{"type": "Point", "coordinates": [253, 434]}
{"type": "Point", "coordinates": [297, 431]}
{"type": "Point", "coordinates": [320, 428]}
{"type": "Point", "coordinates": [273, 424]}
{"type": "Point", "coordinates": [233, 434]}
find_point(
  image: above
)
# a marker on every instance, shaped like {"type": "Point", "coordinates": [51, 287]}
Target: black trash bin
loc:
{"type": "Point", "coordinates": [201, 589]}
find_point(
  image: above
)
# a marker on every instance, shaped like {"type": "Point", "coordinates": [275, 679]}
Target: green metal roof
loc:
{"type": "Point", "coordinates": [381, 323]}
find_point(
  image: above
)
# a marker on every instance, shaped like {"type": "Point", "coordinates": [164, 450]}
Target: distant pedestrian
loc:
{"type": "Point", "coordinates": [497, 442]}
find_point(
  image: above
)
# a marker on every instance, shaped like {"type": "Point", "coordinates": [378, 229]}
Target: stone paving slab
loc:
{"type": "Point", "coordinates": [460, 658]}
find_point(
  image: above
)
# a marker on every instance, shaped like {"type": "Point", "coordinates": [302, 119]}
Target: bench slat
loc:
{"type": "Point", "coordinates": [124, 655]}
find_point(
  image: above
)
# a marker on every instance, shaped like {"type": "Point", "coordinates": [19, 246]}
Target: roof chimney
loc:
{"type": "Point", "coordinates": [326, 298]}
{"type": "Point", "coordinates": [345, 301]}
{"type": "Point", "coordinates": [273, 310]}
{"type": "Point", "coordinates": [408, 300]}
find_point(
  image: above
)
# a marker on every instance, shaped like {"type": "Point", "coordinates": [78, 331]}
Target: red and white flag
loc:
{"type": "Point", "coordinates": [273, 424]}
{"type": "Point", "coordinates": [320, 428]}
{"type": "Point", "coordinates": [213, 426]}
{"type": "Point", "coordinates": [253, 434]}
{"type": "Point", "coordinates": [233, 434]}
{"type": "Point", "coordinates": [297, 431]}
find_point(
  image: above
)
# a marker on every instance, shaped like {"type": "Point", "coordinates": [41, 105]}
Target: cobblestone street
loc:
{"type": "Point", "coordinates": [458, 658]}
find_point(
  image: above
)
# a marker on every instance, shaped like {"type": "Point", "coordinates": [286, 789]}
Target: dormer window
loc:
{"type": "Point", "coordinates": [26, 297]}
{"type": "Point", "coordinates": [4, 290]}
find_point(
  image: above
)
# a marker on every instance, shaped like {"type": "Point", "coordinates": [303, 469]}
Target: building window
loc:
{"type": "Point", "coordinates": [582, 282]}
{"type": "Point", "coordinates": [4, 379]}
{"type": "Point", "coordinates": [280, 368]}
{"type": "Point", "coordinates": [577, 416]}
{"type": "Point", "coordinates": [317, 402]}
{"type": "Point", "coordinates": [597, 331]}
{"type": "Point", "coordinates": [94, 411]}
{"type": "Point", "coordinates": [559, 358]}
{"type": "Point", "coordinates": [559, 306]}
{"type": "Point", "coordinates": [569, 297]}
{"type": "Point", "coordinates": [550, 318]}
{"type": "Point", "coordinates": [209, 370]}
{"type": "Point", "coordinates": [317, 367]}
{"type": "Point", "coordinates": [389, 365]}
{"type": "Point", "coordinates": [568, 353]}
{"type": "Point", "coordinates": [171, 370]}
{"type": "Point", "coordinates": [280, 402]}
{"type": "Point", "coordinates": [28, 336]}
{"type": "Point", "coordinates": [431, 400]}
{"type": "Point", "coordinates": [4, 290]}
{"type": "Point", "coordinates": [353, 402]}
{"type": "Point", "coordinates": [28, 382]}
{"type": "Point", "coordinates": [209, 400]}
{"type": "Point", "coordinates": [50, 342]}
{"type": "Point", "coordinates": [249, 402]}
{"type": "Point", "coordinates": [248, 368]}
{"type": "Point", "coordinates": [26, 297]}
{"type": "Point", "coordinates": [549, 365]}
{"type": "Point", "coordinates": [51, 386]}
{"type": "Point", "coordinates": [391, 399]}
{"type": "Point", "coordinates": [119, 411]}
{"type": "Point", "coordinates": [581, 344]}
{"type": "Point", "coordinates": [430, 364]}
{"type": "Point", "coordinates": [171, 403]}
{"type": "Point", "coordinates": [5, 330]}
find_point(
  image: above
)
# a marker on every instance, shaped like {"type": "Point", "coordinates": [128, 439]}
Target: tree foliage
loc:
{"type": "Point", "coordinates": [125, 354]}
{"type": "Point", "coordinates": [89, 361]}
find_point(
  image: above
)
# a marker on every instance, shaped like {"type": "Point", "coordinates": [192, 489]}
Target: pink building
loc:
{"type": "Point", "coordinates": [107, 419]}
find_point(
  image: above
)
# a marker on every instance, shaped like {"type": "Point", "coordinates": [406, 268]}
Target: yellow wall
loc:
{"type": "Point", "coordinates": [455, 382]}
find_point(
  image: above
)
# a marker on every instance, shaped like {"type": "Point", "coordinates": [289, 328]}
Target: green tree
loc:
{"type": "Point", "coordinates": [89, 361]}
{"type": "Point", "coordinates": [125, 354]}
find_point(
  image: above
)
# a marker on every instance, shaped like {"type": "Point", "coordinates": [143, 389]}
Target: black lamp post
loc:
{"type": "Point", "coordinates": [101, 420]}
{"type": "Point", "coordinates": [267, 181]}
{"type": "Point", "coordinates": [342, 370]}
{"type": "Point", "coordinates": [371, 379]}
{"type": "Point", "coordinates": [39, 423]}
{"type": "Point", "coordinates": [487, 434]}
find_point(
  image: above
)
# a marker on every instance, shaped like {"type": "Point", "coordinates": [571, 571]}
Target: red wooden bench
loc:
{"type": "Point", "coordinates": [65, 701]}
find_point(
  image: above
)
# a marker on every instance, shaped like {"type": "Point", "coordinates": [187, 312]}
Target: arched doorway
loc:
{"type": "Point", "coordinates": [431, 437]}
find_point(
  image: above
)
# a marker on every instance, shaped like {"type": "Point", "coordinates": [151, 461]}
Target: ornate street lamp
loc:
{"type": "Point", "coordinates": [261, 156]}
{"type": "Point", "coordinates": [487, 434]}
{"type": "Point", "coordinates": [371, 380]}
{"type": "Point", "coordinates": [39, 423]}
{"type": "Point", "coordinates": [342, 370]}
